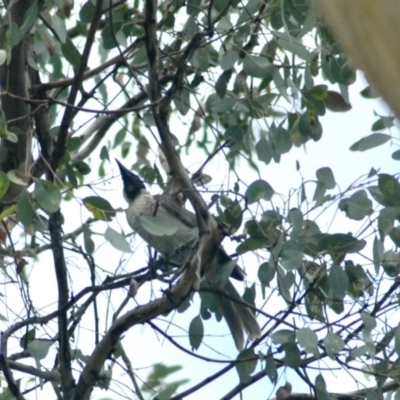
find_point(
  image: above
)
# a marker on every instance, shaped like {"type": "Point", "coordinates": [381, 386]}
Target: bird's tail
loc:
{"type": "Point", "coordinates": [238, 316]}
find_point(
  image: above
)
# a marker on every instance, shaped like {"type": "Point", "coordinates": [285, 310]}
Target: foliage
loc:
{"type": "Point", "coordinates": [236, 83]}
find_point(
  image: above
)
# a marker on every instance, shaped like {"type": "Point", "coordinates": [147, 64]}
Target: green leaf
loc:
{"type": "Point", "coordinates": [251, 244]}
{"type": "Point", "coordinates": [309, 126]}
{"type": "Point", "coordinates": [368, 320]}
{"type": "Point", "coordinates": [70, 52]}
{"type": "Point", "coordinates": [369, 142]}
{"type": "Point", "coordinates": [396, 155]}
{"type": "Point", "coordinates": [338, 281]}
{"type": "Point", "coordinates": [359, 282]}
{"type": "Point", "coordinates": [87, 240]}
{"type": "Point", "coordinates": [3, 57]}
{"type": "Point", "coordinates": [369, 93]}
{"type": "Point", "coordinates": [27, 338]}
{"type": "Point", "coordinates": [104, 154]}
{"type": "Point", "coordinates": [14, 34]}
{"type": "Point", "coordinates": [224, 105]}
{"type": "Point", "coordinates": [4, 184]}
{"type": "Point", "coordinates": [292, 45]}
{"type": "Point", "coordinates": [394, 234]}
{"type": "Point", "coordinates": [308, 339]}
{"type": "Point", "coordinates": [333, 344]}
{"type": "Point", "coordinates": [246, 368]}
{"type": "Point", "coordinates": [167, 393]}
{"type": "Point", "coordinates": [235, 134]}
{"type": "Point", "coordinates": [11, 135]}
{"type": "Point", "coordinates": [29, 19]}
{"type": "Point", "coordinates": [71, 175]}
{"type": "Point", "coordinates": [258, 67]}
{"type": "Point", "coordinates": [282, 141]}
{"type": "Point", "coordinates": [378, 253]}
{"type": "Point", "coordinates": [193, 7]}
{"type": "Point", "coordinates": [110, 41]}
{"type": "Point", "coordinates": [283, 336]}
{"type": "Point", "coordinates": [325, 176]}
{"type": "Point", "coordinates": [222, 83]}
{"type": "Point", "coordinates": [13, 176]}
{"type": "Point", "coordinates": [181, 102]}
{"type": "Point", "coordinates": [157, 226]}
{"type": "Point", "coordinates": [382, 123]}
{"type": "Point", "coordinates": [100, 207]}
{"type": "Point", "coordinates": [117, 240]}
{"type": "Point", "coordinates": [74, 143]}
{"type": "Point", "coordinates": [386, 219]}
{"type": "Point", "coordinates": [86, 12]}
{"type": "Point", "coordinates": [320, 388]}
{"type": "Point", "coordinates": [397, 341]}
{"type": "Point", "coordinates": [82, 167]}
{"type": "Point", "coordinates": [25, 210]}
{"type": "Point", "coordinates": [391, 264]}
{"type": "Point", "coordinates": [229, 59]}
{"type": "Point", "coordinates": [196, 332]}
{"type": "Point", "coordinates": [264, 151]}
{"type": "Point", "coordinates": [335, 102]}
{"type": "Point", "coordinates": [258, 190]}
{"type": "Point", "coordinates": [59, 26]}
{"type": "Point", "coordinates": [266, 273]}
{"type": "Point", "coordinates": [270, 367]}
{"type": "Point", "coordinates": [319, 91]}
{"type": "Point", "coordinates": [252, 6]}
{"type": "Point", "coordinates": [47, 195]}
{"type": "Point", "coordinates": [314, 307]}
{"type": "Point", "coordinates": [358, 206]}
{"type": "Point", "coordinates": [359, 351]}
{"type": "Point", "coordinates": [291, 258]}
{"type": "Point", "coordinates": [340, 243]}
{"type": "Point", "coordinates": [39, 348]}
{"type": "Point", "coordinates": [292, 356]}
{"type": "Point", "coordinates": [390, 189]}
{"type": "Point", "coordinates": [296, 219]}
{"type": "Point", "coordinates": [7, 212]}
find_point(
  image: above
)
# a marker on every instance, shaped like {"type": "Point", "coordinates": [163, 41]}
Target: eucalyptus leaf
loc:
{"type": "Point", "coordinates": [13, 176]}
{"type": "Point", "coordinates": [283, 336]}
{"type": "Point", "coordinates": [390, 189]}
{"type": "Point", "coordinates": [292, 356]}
{"type": "Point", "coordinates": [270, 367]}
{"type": "Point", "coordinates": [246, 368]}
{"type": "Point", "coordinates": [39, 348]}
{"type": "Point", "coordinates": [4, 183]}
{"type": "Point", "coordinates": [308, 339]}
{"type": "Point", "coordinates": [258, 190]}
{"type": "Point", "coordinates": [338, 281]}
{"type": "Point", "coordinates": [333, 344]}
{"type": "Point", "coordinates": [325, 175]}
{"type": "Point", "coordinates": [47, 195]}
{"type": "Point", "coordinates": [70, 52]}
{"type": "Point", "coordinates": [117, 240]}
{"type": "Point", "coordinates": [196, 332]}
{"type": "Point", "coordinates": [157, 226]}
{"type": "Point", "coordinates": [369, 142]}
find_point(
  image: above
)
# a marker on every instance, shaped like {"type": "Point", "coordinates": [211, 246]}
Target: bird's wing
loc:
{"type": "Point", "coordinates": [186, 217]}
{"type": "Point", "coordinates": [169, 204]}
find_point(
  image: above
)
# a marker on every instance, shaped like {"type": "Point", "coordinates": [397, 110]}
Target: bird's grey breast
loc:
{"type": "Point", "coordinates": [168, 245]}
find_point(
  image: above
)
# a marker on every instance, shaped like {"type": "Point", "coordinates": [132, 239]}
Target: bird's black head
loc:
{"type": "Point", "coordinates": [133, 185]}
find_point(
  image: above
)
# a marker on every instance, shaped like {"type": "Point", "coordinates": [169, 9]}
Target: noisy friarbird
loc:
{"type": "Point", "coordinates": [175, 249]}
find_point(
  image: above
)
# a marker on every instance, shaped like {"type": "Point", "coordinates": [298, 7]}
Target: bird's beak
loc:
{"type": "Point", "coordinates": [132, 183]}
{"type": "Point", "coordinates": [124, 171]}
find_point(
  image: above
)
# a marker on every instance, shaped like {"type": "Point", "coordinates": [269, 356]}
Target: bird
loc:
{"type": "Point", "coordinates": [174, 248]}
